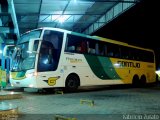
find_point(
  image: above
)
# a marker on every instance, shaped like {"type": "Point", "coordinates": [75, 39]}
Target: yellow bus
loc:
{"type": "Point", "coordinates": [52, 57]}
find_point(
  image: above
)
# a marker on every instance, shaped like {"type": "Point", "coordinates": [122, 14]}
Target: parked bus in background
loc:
{"type": "Point", "coordinates": [4, 72]}
{"type": "Point", "coordinates": [0, 73]}
{"type": "Point", "coordinates": [4, 66]}
{"type": "Point", "coordinates": [52, 57]}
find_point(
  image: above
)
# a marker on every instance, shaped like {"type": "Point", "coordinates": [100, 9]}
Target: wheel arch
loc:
{"type": "Point", "coordinates": [72, 74]}
{"type": "Point", "coordinates": [135, 80]}
{"type": "Point", "coordinates": [143, 80]}
{"type": "Point", "coordinates": [143, 76]}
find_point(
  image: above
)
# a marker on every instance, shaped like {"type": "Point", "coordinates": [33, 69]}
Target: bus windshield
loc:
{"type": "Point", "coordinates": [21, 58]}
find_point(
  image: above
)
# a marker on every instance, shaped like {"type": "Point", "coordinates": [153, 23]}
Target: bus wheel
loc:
{"type": "Point", "coordinates": [143, 81]}
{"type": "Point", "coordinates": [72, 83]}
{"type": "Point", "coordinates": [135, 81]}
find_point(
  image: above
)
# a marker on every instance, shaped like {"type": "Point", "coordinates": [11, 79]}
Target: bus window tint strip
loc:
{"type": "Point", "coordinates": [84, 45]}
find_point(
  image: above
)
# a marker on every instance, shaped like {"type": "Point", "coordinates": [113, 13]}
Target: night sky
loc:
{"type": "Point", "coordinates": [137, 26]}
{"type": "Point", "coordinates": [129, 27]}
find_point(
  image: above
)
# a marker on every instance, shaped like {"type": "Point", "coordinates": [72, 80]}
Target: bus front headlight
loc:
{"type": "Point", "coordinates": [28, 75]}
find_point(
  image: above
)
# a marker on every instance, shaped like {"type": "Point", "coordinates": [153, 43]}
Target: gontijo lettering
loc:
{"type": "Point", "coordinates": [128, 64]}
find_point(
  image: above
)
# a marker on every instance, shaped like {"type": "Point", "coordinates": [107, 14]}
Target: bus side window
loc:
{"type": "Point", "coordinates": [125, 53]}
{"type": "Point", "coordinates": [71, 48]}
{"type": "Point", "coordinates": [116, 51]}
{"type": "Point", "coordinates": [91, 47]}
{"type": "Point", "coordinates": [105, 50]}
{"type": "Point", "coordinates": [135, 54]}
{"type": "Point", "coordinates": [91, 50]}
{"type": "Point", "coordinates": [78, 47]}
{"type": "Point", "coordinates": [110, 51]}
{"type": "Point", "coordinates": [76, 44]}
{"type": "Point", "coordinates": [97, 48]}
{"type": "Point", "coordinates": [110, 54]}
{"type": "Point", "coordinates": [102, 49]}
{"type": "Point", "coordinates": [83, 47]}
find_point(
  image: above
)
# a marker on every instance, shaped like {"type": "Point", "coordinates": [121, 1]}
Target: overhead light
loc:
{"type": "Point", "coordinates": [55, 17]}
{"type": "Point", "coordinates": [0, 51]}
{"type": "Point", "coordinates": [60, 18]}
{"type": "Point", "coordinates": [63, 18]}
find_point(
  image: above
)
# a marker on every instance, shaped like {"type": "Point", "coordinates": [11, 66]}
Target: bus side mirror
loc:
{"type": "Point", "coordinates": [7, 50]}
{"type": "Point", "coordinates": [31, 44]}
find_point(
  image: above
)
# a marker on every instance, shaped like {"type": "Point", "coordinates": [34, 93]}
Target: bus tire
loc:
{"type": "Point", "coordinates": [72, 83]}
{"type": "Point", "coordinates": [135, 81]}
{"type": "Point", "coordinates": [143, 81]}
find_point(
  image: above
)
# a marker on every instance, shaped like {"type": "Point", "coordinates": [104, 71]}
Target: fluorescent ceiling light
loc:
{"type": "Point", "coordinates": [60, 18]}
{"type": "Point", "coordinates": [63, 18]}
{"type": "Point", "coordinates": [54, 17]}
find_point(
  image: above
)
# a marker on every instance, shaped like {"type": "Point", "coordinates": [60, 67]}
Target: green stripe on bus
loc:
{"type": "Point", "coordinates": [96, 67]}
{"type": "Point", "coordinates": [108, 67]}
{"type": "Point", "coordinates": [102, 67]}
